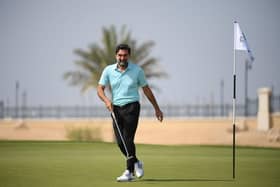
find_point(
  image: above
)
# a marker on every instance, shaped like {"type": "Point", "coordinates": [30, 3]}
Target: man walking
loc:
{"type": "Point", "coordinates": [124, 78]}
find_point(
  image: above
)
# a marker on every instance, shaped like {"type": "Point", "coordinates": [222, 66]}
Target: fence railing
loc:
{"type": "Point", "coordinates": [275, 103]}
{"type": "Point", "coordinates": [187, 110]}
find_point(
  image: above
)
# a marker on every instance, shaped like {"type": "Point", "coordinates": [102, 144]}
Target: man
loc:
{"type": "Point", "coordinates": [124, 78]}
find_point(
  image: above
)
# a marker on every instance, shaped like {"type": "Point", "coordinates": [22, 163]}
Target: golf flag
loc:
{"type": "Point", "coordinates": [240, 42]}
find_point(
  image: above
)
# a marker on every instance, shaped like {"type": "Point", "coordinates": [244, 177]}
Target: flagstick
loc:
{"type": "Point", "coordinates": [233, 115]}
{"type": "Point", "coordinates": [240, 43]}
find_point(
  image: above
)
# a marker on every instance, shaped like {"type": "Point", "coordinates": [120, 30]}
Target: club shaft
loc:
{"type": "Point", "coordinates": [119, 131]}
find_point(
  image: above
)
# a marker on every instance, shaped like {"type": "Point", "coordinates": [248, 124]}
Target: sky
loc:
{"type": "Point", "coordinates": [193, 42]}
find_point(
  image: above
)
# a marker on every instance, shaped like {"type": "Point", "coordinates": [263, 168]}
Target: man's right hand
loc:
{"type": "Point", "coordinates": [109, 105]}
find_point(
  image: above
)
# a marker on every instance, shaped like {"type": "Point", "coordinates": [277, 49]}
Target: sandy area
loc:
{"type": "Point", "coordinates": [170, 132]}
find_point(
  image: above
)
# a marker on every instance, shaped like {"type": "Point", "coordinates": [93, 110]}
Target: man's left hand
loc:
{"type": "Point", "coordinates": [159, 115]}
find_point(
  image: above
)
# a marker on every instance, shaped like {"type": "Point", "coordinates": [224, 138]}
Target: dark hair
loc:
{"type": "Point", "coordinates": [123, 47]}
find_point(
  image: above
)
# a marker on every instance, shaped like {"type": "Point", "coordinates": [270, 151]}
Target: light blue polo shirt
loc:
{"type": "Point", "coordinates": [125, 84]}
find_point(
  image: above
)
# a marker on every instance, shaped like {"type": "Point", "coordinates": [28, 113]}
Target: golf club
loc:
{"type": "Point", "coordinates": [116, 123]}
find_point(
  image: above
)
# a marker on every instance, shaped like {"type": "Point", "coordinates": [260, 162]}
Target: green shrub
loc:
{"type": "Point", "coordinates": [83, 134]}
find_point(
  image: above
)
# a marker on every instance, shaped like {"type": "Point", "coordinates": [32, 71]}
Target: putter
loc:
{"type": "Point", "coordinates": [116, 123]}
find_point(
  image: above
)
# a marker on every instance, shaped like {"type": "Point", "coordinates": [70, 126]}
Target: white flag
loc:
{"type": "Point", "coordinates": [240, 42]}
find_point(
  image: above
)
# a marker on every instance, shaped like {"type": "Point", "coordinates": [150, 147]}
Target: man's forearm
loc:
{"type": "Point", "coordinates": [101, 93]}
{"type": "Point", "coordinates": [103, 97]}
{"type": "Point", "coordinates": [149, 94]}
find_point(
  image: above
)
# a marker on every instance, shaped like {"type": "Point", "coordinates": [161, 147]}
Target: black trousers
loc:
{"type": "Point", "coordinates": [127, 118]}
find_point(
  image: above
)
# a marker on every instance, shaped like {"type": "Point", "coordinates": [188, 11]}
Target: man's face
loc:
{"type": "Point", "coordinates": [122, 55]}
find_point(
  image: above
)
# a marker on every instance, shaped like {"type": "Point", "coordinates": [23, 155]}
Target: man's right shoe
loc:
{"type": "Point", "coordinates": [138, 167]}
{"type": "Point", "coordinates": [125, 177]}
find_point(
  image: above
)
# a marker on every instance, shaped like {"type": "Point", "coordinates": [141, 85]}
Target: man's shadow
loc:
{"type": "Point", "coordinates": [184, 180]}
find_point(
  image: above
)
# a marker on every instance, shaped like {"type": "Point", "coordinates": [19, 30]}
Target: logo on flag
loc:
{"type": "Point", "coordinates": [242, 39]}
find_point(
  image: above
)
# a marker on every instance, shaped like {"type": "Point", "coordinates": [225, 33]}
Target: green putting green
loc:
{"type": "Point", "coordinates": [87, 164]}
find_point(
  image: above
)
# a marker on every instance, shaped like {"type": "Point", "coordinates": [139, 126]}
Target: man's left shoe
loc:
{"type": "Point", "coordinates": [139, 170]}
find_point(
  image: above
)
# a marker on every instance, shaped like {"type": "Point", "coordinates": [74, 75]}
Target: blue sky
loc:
{"type": "Point", "coordinates": [194, 43]}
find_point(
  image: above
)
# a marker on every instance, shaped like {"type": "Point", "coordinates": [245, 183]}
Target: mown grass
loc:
{"type": "Point", "coordinates": [88, 164]}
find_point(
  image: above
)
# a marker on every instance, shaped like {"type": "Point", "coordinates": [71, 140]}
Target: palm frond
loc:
{"type": "Point", "coordinates": [151, 62]}
{"type": "Point", "coordinates": [76, 77]}
{"type": "Point", "coordinates": [143, 51]}
{"type": "Point", "coordinates": [150, 75]}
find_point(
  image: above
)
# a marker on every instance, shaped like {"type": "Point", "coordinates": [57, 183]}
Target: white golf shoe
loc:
{"type": "Point", "coordinates": [138, 167]}
{"type": "Point", "coordinates": [125, 177]}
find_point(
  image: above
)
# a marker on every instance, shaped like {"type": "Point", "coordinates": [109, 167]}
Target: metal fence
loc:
{"type": "Point", "coordinates": [186, 110]}
{"type": "Point", "coordinates": [275, 103]}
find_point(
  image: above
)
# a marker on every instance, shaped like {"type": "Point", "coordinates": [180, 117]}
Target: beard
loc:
{"type": "Point", "coordinates": [123, 64]}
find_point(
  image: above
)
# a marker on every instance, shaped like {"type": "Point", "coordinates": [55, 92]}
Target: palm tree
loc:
{"type": "Point", "coordinates": [96, 58]}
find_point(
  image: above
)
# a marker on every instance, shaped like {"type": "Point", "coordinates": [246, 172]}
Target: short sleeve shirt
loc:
{"type": "Point", "coordinates": [124, 85]}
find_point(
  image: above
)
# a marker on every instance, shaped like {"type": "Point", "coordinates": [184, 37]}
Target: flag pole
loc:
{"type": "Point", "coordinates": [240, 43]}
{"type": "Point", "coordinates": [233, 108]}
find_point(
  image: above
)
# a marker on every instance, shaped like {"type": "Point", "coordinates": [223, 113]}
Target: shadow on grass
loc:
{"type": "Point", "coordinates": [185, 180]}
